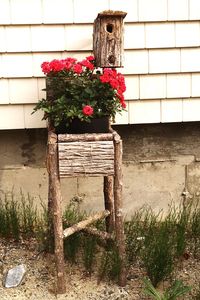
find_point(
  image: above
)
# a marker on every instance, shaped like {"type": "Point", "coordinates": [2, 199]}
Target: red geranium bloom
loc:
{"type": "Point", "coordinates": [104, 78]}
{"type": "Point", "coordinates": [77, 68]}
{"type": "Point", "coordinates": [88, 110]}
{"type": "Point", "coordinates": [45, 67]}
{"type": "Point", "coordinates": [90, 57]}
{"type": "Point", "coordinates": [114, 83]}
{"type": "Point", "coordinates": [123, 104]}
{"type": "Point", "coordinates": [87, 64]}
{"type": "Point", "coordinates": [56, 65]}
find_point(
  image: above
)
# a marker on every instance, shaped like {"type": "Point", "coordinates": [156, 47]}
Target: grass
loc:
{"type": "Point", "coordinates": [194, 229]}
{"type": "Point", "coordinates": [158, 253]}
{"type": "Point", "coordinates": [110, 264]}
{"type": "Point", "coordinates": [176, 290]}
{"type": "Point", "coordinates": [19, 218]}
{"type": "Point", "coordinates": [156, 241]}
{"type": "Point", "coordinates": [9, 218]}
{"type": "Point", "coordinates": [160, 242]}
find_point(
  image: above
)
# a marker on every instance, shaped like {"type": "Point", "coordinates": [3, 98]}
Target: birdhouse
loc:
{"type": "Point", "coordinates": [108, 39]}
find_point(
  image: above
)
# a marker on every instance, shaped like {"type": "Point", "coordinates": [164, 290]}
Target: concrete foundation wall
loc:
{"type": "Point", "coordinates": [160, 162]}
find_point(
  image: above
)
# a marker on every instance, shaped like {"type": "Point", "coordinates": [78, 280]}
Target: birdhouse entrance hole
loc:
{"type": "Point", "coordinates": [109, 28]}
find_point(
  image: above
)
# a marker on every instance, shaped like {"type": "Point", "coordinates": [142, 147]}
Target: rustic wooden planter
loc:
{"type": "Point", "coordinates": [73, 155]}
{"type": "Point", "coordinates": [84, 157]}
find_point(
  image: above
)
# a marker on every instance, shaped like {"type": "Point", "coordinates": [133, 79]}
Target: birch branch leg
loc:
{"type": "Point", "coordinates": [108, 202]}
{"type": "Point", "coordinates": [57, 211]}
{"type": "Point", "coordinates": [119, 226]}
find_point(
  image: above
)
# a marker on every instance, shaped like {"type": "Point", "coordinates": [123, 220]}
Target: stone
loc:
{"type": "Point", "coordinates": [15, 276]}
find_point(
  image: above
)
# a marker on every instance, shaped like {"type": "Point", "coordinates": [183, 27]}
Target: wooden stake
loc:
{"type": "Point", "coordinates": [119, 228]}
{"type": "Point", "coordinates": [100, 234]}
{"type": "Point", "coordinates": [82, 224]}
{"type": "Point", "coordinates": [108, 202]}
{"type": "Point", "coordinates": [50, 233]}
{"type": "Point", "coordinates": [57, 212]}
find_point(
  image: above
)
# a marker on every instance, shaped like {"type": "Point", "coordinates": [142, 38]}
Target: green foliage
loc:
{"type": "Point", "coordinates": [43, 230]}
{"type": "Point", "coordinates": [134, 236]}
{"type": "Point", "coordinates": [158, 252]}
{"type": "Point", "coordinates": [110, 264]}
{"type": "Point", "coordinates": [194, 230]}
{"type": "Point", "coordinates": [172, 293]}
{"type": "Point", "coordinates": [155, 241]}
{"type": "Point", "coordinates": [19, 218]}
{"type": "Point", "coordinates": [72, 246]}
{"type": "Point", "coordinates": [72, 215]}
{"type": "Point", "coordinates": [183, 221]}
{"type": "Point", "coordinates": [29, 215]}
{"type": "Point", "coordinates": [160, 241]}
{"type": "Point", "coordinates": [89, 252]}
{"type": "Point", "coordinates": [9, 217]}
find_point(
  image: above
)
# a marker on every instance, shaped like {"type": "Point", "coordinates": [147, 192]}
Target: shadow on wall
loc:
{"type": "Point", "coordinates": [23, 167]}
{"type": "Point", "coordinates": [22, 164]}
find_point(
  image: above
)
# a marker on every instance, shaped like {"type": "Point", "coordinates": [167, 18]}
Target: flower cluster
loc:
{"type": "Point", "coordinates": [67, 64]}
{"type": "Point", "coordinates": [78, 89]}
{"type": "Point", "coordinates": [116, 81]}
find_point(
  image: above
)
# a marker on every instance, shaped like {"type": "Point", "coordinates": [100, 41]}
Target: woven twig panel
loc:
{"type": "Point", "coordinates": [94, 158]}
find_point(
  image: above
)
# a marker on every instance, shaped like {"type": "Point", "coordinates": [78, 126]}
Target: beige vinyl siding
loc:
{"type": "Point", "coordinates": [161, 60]}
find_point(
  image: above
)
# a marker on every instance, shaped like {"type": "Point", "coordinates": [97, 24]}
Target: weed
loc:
{"type": "Point", "coordinates": [195, 228]}
{"type": "Point", "coordinates": [72, 215]}
{"type": "Point", "coordinates": [110, 264]}
{"type": "Point", "coordinates": [89, 252]}
{"type": "Point", "coordinates": [134, 236]}
{"type": "Point", "coordinates": [183, 219]}
{"type": "Point", "coordinates": [44, 237]}
{"type": "Point", "coordinates": [158, 253]}
{"type": "Point", "coordinates": [9, 218]}
{"type": "Point", "coordinates": [172, 293]}
{"type": "Point", "coordinates": [29, 215]}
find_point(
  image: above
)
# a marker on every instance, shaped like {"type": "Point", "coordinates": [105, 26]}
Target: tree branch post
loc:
{"type": "Point", "coordinates": [119, 225]}
{"type": "Point", "coordinates": [55, 193]}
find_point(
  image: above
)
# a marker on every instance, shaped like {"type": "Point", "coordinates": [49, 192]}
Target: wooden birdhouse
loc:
{"type": "Point", "coordinates": [108, 39]}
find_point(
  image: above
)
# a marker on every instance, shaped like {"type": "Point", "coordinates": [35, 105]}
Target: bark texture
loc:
{"type": "Point", "coordinates": [119, 223]}
{"type": "Point", "coordinates": [108, 39]}
{"type": "Point", "coordinates": [82, 224]}
{"type": "Point", "coordinates": [109, 202]}
{"type": "Point", "coordinates": [57, 211]}
{"type": "Point", "coordinates": [86, 158]}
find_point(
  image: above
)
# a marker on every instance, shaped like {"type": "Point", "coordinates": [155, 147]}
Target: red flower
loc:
{"type": "Point", "coordinates": [88, 110]}
{"type": "Point", "coordinates": [110, 72]}
{"type": "Point", "coordinates": [123, 104]}
{"type": "Point", "coordinates": [87, 64]}
{"type": "Point", "coordinates": [77, 68]}
{"type": "Point", "coordinates": [56, 65]}
{"type": "Point", "coordinates": [90, 57]}
{"type": "Point", "coordinates": [45, 67]}
{"type": "Point", "coordinates": [104, 78]}
{"type": "Point", "coordinates": [114, 83]}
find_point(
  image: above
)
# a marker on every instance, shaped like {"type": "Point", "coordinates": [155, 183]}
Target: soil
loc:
{"type": "Point", "coordinates": [39, 281]}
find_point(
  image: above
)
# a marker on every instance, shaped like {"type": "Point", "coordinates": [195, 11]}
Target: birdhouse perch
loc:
{"type": "Point", "coordinates": [108, 39]}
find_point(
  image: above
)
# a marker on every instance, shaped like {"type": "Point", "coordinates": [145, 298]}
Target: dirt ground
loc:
{"type": "Point", "coordinates": [39, 281]}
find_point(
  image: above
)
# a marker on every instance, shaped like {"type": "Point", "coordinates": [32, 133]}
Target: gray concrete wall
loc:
{"type": "Point", "coordinates": [159, 162]}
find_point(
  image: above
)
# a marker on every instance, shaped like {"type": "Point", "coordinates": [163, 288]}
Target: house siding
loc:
{"type": "Point", "coordinates": [161, 60]}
